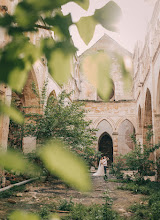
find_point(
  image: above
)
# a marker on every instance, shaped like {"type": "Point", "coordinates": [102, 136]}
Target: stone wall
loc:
{"type": "Point", "coordinates": [112, 118]}
{"type": "Point", "coordinates": [111, 48]}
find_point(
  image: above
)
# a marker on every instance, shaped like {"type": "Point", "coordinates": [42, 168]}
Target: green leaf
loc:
{"type": "Point", "coordinates": [16, 61]}
{"type": "Point", "coordinates": [6, 20]}
{"type": "Point", "coordinates": [108, 16]}
{"type": "Point", "coordinates": [12, 160]}
{"type": "Point", "coordinates": [97, 68]}
{"type": "Point", "coordinates": [13, 113]}
{"type": "Point", "coordinates": [65, 165]}
{"type": "Point", "coordinates": [26, 15]}
{"type": "Point", "coordinates": [20, 215]}
{"type": "Point", "coordinates": [84, 4]}
{"type": "Point", "coordinates": [60, 66]}
{"type": "Point", "coordinates": [86, 27]}
{"type": "Point", "coordinates": [59, 57]}
{"type": "Point", "coordinates": [61, 23]}
{"type": "Point", "coordinates": [126, 69]}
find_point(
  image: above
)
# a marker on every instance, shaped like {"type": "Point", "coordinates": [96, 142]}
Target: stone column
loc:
{"type": "Point", "coordinates": [115, 144]}
{"type": "Point", "coordinates": [157, 140]}
{"type": "Point", "coordinates": [5, 96]}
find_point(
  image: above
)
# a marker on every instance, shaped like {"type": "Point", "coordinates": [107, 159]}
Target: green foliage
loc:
{"type": "Point", "coordinates": [11, 112]}
{"type": "Point", "coordinates": [44, 212]}
{"type": "Point", "coordinates": [14, 161]}
{"type": "Point", "coordinates": [150, 208]}
{"type": "Point", "coordinates": [19, 215]}
{"type": "Point", "coordinates": [108, 16]}
{"type": "Point", "coordinates": [19, 54]}
{"type": "Point", "coordinates": [118, 166]}
{"type": "Point", "coordinates": [97, 69]}
{"type": "Point", "coordinates": [63, 120]}
{"type": "Point", "coordinates": [92, 212]}
{"type": "Point", "coordinates": [66, 165]}
{"type": "Point", "coordinates": [65, 205]}
{"type": "Point", "coordinates": [10, 192]}
{"type": "Point", "coordinates": [138, 159]}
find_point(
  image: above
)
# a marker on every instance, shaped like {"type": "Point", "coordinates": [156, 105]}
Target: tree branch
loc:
{"type": "Point", "coordinates": [43, 27]}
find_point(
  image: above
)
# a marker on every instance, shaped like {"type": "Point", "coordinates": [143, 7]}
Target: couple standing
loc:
{"type": "Point", "coordinates": [102, 168]}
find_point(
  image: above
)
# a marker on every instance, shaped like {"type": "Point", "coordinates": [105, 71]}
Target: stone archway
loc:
{"type": "Point", "coordinates": [139, 118]}
{"type": "Point", "coordinates": [26, 102]}
{"type": "Point", "coordinates": [125, 143]}
{"type": "Point", "coordinates": [105, 146]}
{"type": "Point", "coordinates": [147, 114]}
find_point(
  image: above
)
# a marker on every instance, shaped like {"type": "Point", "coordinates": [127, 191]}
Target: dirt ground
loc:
{"type": "Point", "coordinates": [39, 194]}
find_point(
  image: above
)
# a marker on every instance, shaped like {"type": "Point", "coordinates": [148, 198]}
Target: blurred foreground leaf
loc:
{"type": "Point", "coordinates": [83, 3]}
{"type": "Point", "coordinates": [86, 27]}
{"type": "Point", "coordinates": [13, 113]}
{"type": "Point", "coordinates": [66, 165]}
{"type": "Point", "coordinates": [59, 57]}
{"type": "Point", "coordinates": [97, 68]}
{"type": "Point", "coordinates": [20, 215]}
{"type": "Point", "coordinates": [108, 16]}
{"type": "Point", "coordinates": [59, 65]}
{"type": "Point", "coordinates": [16, 60]}
{"type": "Point", "coordinates": [15, 161]}
{"type": "Point", "coordinates": [126, 69]}
{"type": "Point", "coordinates": [54, 217]}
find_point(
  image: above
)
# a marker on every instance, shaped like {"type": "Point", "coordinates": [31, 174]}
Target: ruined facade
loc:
{"type": "Point", "coordinates": [132, 111]}
{"type": "Point", "coordinates": [126, 112]}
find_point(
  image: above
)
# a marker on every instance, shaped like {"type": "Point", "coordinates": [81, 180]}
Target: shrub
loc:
{"type": "Point", "coordinates": [65, 205]}
{"type": "Point", "coordinates": [92, 212]}
{"type": "Point", "coordinates": [118, 166]}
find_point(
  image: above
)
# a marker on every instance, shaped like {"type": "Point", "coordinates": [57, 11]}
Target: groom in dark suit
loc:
{"type": "Point", "coordinates": [105, 165]}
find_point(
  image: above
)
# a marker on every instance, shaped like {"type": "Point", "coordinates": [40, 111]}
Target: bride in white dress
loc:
{"type": "Point", "coordinates": [100, 171]}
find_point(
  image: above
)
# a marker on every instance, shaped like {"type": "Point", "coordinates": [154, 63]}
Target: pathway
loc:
{"type": "Point", "coordinates": [39, 194]}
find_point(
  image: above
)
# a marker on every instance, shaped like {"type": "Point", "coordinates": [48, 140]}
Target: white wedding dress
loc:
{"type": "Point", "coordinates": [100, 171]}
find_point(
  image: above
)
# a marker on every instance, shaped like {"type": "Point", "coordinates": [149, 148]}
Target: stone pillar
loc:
{"type": "Point", "coordinates": [5, 96]}
{"type": "Point", "coordinates": [157, 140]}
{"type": "Point", "coordinates": [115, 144]}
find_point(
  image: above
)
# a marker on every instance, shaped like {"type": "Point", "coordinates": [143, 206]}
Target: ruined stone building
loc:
{"type": "Point", "coordinates": [126, 112]}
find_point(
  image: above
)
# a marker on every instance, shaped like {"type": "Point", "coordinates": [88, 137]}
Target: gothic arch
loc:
{"type": "Point", "coordinates": [104, 126]}
{"type": "Point", "coordinates": [53, 93]}
{"type": "Point", "coordinates": [121, 120]}
{"type": "Point", "coordinates": [99, 120]}
{"type": "Point", "coordinates": [27, 102]}
{"type": "Point", "coordinates": [139, 117]}
{"type": "Point", "coordinates": [125, 130]}
{"type": "Point", "coordinates": [30, 98]}
{"type": "Point", "coordinates": [147, 114]}
{"type": "Point", "coordinates": [105, 146]}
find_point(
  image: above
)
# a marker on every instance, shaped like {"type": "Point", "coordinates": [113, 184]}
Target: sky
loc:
{"type": "Point", "coordinates": [132, 27]}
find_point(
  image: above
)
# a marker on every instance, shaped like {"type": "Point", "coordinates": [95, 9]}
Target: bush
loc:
{"type": "Point", "coordinates": [65, 205]}
{"type": "Point", "coordinates": [44, 212]}
{"type": "Point", "coordinates": [139, 158]}
{"type": "Point", "coordinates": [118, 166]}
{"type": "Point", "coordinates": [151, 209]}
{"type": "Point", "coordinates": [92, 212]}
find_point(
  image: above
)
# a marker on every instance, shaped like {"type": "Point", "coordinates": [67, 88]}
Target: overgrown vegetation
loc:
{"type": "Point", "coordinates": [82, 212]}
{"type": "Point", "coordinates": [149, 208]}
{"type": "Point", "coordinates": [140, 160]}
{"type": "Point", "coordinates": [10, 192]}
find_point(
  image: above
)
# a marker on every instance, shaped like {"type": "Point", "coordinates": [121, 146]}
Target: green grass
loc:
{"type": "Point", "coordinates": [10, 192]}
{"type": "Point", "coordinates": [149, 209]}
